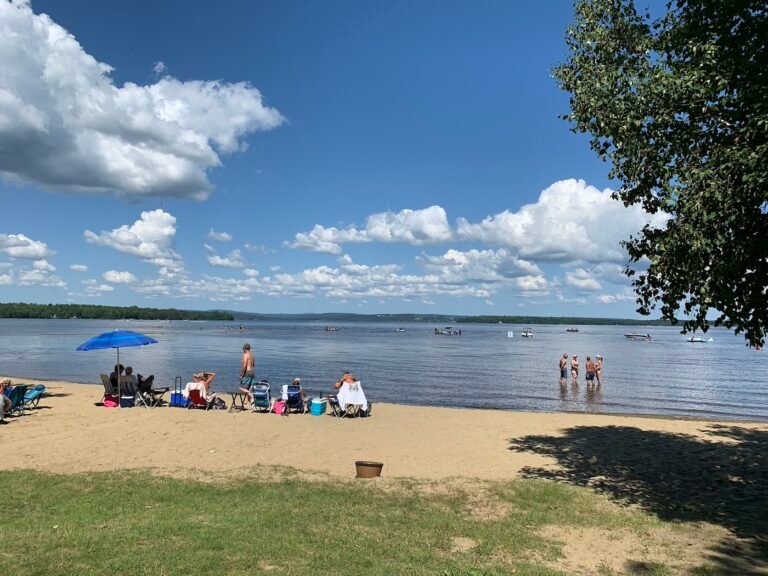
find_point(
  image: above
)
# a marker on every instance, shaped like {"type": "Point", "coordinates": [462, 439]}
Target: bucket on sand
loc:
{"type": "Point", "coordinates": [367, 469]}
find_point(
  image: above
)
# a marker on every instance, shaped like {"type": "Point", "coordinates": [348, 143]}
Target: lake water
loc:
{"type": "Point", "coordinates": [481, 368]}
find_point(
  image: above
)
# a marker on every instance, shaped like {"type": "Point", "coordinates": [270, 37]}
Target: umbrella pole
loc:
{"type": "Point", "coordinates": [117, 370]}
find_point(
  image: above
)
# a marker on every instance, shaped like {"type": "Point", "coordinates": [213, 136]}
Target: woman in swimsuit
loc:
{"type": "Point", "coordinates": [575, 369]}
{"type": "Point", "coordinates": [599, 371]}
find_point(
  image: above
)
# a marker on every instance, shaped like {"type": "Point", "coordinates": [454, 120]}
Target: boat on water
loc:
{"type": "Point", "coordinates": [399, 329]}
{"type": "Point", "coordinates": [700, 340]}
{"type": "Point", "coordinates": [572, 330]}
{"type": "Point", "coordinates": [632, 336]}
{"type": "Point", "coordinates": [527, 333]}
{"type": "Point", "coordinates": [447, 331]}
{"type": "Point", "coordinates": [331, 329]}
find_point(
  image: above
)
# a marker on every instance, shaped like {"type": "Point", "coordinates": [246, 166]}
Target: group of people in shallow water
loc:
{"type": "Point", "coordinates": [593, 368]}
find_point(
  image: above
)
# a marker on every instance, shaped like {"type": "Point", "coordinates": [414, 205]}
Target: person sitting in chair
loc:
{"type": "Point", "coordinates": [346, 378]}
{"type": "Point", "coordinates": [116, 373]}
{"type": "Point", "coordinates": [5, 384]}
{"type": "Point", "coordinates": [143, 385]}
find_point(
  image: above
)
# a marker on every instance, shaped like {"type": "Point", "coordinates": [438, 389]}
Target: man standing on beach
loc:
{"type": "Point", "coordinates": [564, 369]}
{"type": "Point", "coordinates": [246, 371]}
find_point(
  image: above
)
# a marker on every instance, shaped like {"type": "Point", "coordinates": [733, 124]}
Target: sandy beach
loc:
{"type": "Point", "coordinates": [70, 432]}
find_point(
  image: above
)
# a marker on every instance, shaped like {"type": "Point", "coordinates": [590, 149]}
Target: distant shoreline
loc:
{"type": "Point", "coordinates": [22, 310]}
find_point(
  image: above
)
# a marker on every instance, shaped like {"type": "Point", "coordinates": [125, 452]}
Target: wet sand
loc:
{"type": "Point", "coordinates": [69, 432]}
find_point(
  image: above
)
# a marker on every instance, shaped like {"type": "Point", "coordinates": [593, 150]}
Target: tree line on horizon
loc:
{"type": "Point", "coordinates": [95, 312]}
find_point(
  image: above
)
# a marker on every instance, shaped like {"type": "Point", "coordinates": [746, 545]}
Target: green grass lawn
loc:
{"type": "Point", "coordinates": [136, 523]}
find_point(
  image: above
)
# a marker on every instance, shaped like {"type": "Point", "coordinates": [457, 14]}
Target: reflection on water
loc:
{"type": "Point", "coordinates": [480, 368]}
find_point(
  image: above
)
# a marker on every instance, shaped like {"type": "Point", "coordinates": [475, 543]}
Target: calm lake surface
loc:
{"type": "Point", "coordinates": [482, 368]}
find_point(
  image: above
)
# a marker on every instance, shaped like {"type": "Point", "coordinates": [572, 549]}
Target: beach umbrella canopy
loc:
{"type": "Point", "coordinates": [116, 339]}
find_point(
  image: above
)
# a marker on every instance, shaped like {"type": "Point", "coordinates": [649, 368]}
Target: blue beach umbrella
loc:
{"type": "Point", "coordinates": [116, 339]}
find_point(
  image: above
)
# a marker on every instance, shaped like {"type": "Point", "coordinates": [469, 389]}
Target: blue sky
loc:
{"type": "Point", "coordinates": [301, 156]}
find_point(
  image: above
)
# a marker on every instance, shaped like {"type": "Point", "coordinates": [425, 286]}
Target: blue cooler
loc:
{"type": "Point", "coordinates": [318, 406]}
{"type": "Point", "coordinates": [177, 398]}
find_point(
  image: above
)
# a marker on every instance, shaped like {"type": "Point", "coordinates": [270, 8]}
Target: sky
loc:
{"type": "Point", "coordinates": [371, 157]}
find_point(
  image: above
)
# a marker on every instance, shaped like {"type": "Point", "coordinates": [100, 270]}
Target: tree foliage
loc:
{"type": "Point", "coordinates": [678, 104]}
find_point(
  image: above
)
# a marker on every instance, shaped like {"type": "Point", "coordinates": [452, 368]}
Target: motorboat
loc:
{"type": "Point", "coordinates": [572, 330]}
{"type": "Point", "coordinates": [631, 336]}
{"type": "Point", "coordinates": [527, 333]}
{"type": "Point", "coordinates": [399, 329]}
{"type": "Point", "coordinates": [447, 331]}
{"type": "Point", "coordinates": [331, 329]}
{"type": "Point", "coordinates": [700, 340]}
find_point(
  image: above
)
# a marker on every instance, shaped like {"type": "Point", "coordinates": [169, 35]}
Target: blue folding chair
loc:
{"type": "Point", "coordinates": [295, 401]}
{"type": "Point", "coordinates": [17, 399]}
{"type": "Point", "coordinates": [262, 396]}
{"type": "Point", "coordinates": [32, 397]}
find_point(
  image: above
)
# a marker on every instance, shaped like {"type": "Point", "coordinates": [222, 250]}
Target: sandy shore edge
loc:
{"type": "Point", "coordinates": [71, 433]}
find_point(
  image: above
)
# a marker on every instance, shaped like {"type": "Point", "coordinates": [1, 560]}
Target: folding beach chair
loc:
{"type": "Point", "coordinates": [333, 404]}
{"type": "Point", "coordinates": [196, 400]}
{"type": "Point", "coordinates": [295, 399]}
{"type": "Point", "coordinates": [17, 399]}
{"type": "Point", "coordinates": [129, 395]}
{"type": "Point", "coordinates": [32, 397]}
{"type": "Point", "coordinates": [262, 396]}
{"type": "Point", "coordinates": [110, 390]}
{"type": "Point", "coordinates": [354, 408]}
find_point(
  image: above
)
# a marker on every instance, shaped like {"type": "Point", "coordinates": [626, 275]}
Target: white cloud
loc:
{"type": "Point", "coordinates": [41, 272]}
{"type": "Point", "coordinates": [250, 272]}
{"type": "Point", "coordinates": [427, 226]}
{"type": "Point", "coordinates": [116, 277]}
{"type": "Point", "coordinates": [43, 265]}
{"type": "Point", "coordinates": [67, 126]}
{"type": "Point", "coordinates": [570, 221]}
{"type": "Point", "coordinates": [232, 260]}
{"type": "Point", "coordinates": [260, 248]}
{"type": "Point", "coordinates": [159, 68]}
{"type": "Point", "coordinates": [486, 265]}
{"type": "Point", "coordinates": [35, 277]}
{"type": "Point", "coordinates": [93, 288]}
{"type": "Point", "coordinates": [582, 279]}
{"type": "Point", "coordinates": [625, 295]}
{"type": "Point", "coordinates": [150, 238]}
{"type": "Point", "coordinates": [220, 236]}
{"type": "Point", "coordinates": [78, 268]}
{"type": "Point", "coordinates": [19, 245]}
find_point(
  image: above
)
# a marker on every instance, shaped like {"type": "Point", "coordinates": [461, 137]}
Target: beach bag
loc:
{"type": "Point", "coordinates": [110, 402]}
{"type": "Point", "coordinates": [280, 408]}
{"type": "Point", "coordinates": [219, 404]}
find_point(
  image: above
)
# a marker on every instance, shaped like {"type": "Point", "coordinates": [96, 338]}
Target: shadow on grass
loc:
{"type": "Point", "coordinates": [722, 480]}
